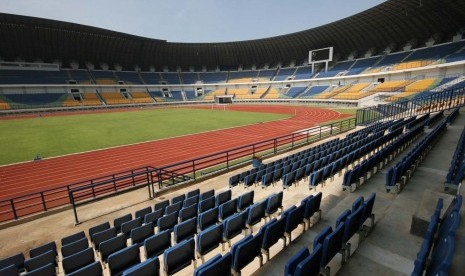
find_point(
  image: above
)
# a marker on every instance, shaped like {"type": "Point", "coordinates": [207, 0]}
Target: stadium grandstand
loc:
{"type": "Point", "coordinates": [337, 150]}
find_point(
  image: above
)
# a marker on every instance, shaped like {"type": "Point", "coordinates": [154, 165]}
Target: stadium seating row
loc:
{"type": "Point", "coordinates": [457, 167]}
{"type": "Point", "coordinates": [397, 176]}
{"type": "Point", "coordinates": [437, 250]}
{"type": "Point", "coordinates": [328, 243]}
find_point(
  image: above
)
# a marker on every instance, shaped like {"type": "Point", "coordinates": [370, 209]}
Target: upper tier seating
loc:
{"type": "Point", "coordinates": [266, 74]}
{"type": "Point", "coordinates": [104, 77]}
{"type": "Point", "coordinates": [81, 76]}
{"type": "Point", "coordinates": [171, 78]}
{"type": "Point", "coordinates": [189, 78]}
{"type": "Point", "coordinates": [362, 64]}
{"type": "Point", "coordinates": [151, 77]}
{"type": "Point", "coordinates": [129, 77]}
{"type": "Point", "coordinates": [213, 77]}
{"type": "Point", "coordinates": [33, 77]}
{"type": "Point", "coordinates": [284, 73]}
{"type": "Point", "coordinates": [242, 76]}
{"type": "Point", "coordinates": [304, 72]}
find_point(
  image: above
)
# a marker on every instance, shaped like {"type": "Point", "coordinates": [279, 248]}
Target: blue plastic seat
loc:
{"type": "Point", "coordinates": [291, 264]}
{"type": "Point", "coordinates": [111, 246]}
{"type": "Point", "coordinates": [179, 256]}
{"type": "Point", "coordinates": [157, 244]}
{"type": "Point", "coordinates": [209, 239]}
{"type": "Point", "coordinates": [217, 265]}
{"type": "Point", "coordinates": [78, 260]}
{"type": "Point", "coordinates": [147, 267]}
{"type": "Point", "coordinates": [119, 261]}
{"type": "Point", "coordinates": [310, 266]}
{"type": "Point", "coordinates": [185, 230]}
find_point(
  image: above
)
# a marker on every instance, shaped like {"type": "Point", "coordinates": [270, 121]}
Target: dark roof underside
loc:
{"type": "Point", "coordinates": [392, 23]}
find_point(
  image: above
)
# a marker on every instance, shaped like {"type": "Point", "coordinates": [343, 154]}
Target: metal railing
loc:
{"type": "Point", "coordinates": [166, 176]}
{"type": "Point", "coordinates": [405, 108]}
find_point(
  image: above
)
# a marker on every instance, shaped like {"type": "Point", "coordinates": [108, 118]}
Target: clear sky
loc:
{"type": "Point", "coordinates": [193, 20]}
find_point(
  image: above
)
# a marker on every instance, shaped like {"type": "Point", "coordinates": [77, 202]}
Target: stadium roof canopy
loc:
{"type": "Point", "coordinates": [390, 24]}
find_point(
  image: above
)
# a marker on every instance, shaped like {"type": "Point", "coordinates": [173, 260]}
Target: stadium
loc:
{"type": "Point", "coordinates": [334, 150]}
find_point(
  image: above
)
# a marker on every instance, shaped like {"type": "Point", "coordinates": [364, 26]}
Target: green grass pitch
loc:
{"type": "Point", "coordinates": [23, 139]}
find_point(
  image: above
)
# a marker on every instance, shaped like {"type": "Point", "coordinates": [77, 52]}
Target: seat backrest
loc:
{"type": "Point", "coordinates": [185, 230]}
{"type": "Point", "coordinates": [247, 251]}
{"type": "Point", "coordinates": [161, 205]}
{"type": "Point", "coordinates": [217, 265]}
{"type": "Point", "coordinates": [320, 238]}
{"type": "Point", "coordinates": [103, 236]}
{"type": "Point", "coordinates": [123, 259]}
{"type": "Point", "coordinates": [294, 218]}
{"type": "Point", "coordinates": [48, 269]}
{"type": "Point", "coordinates": [111, 246]}
{"type": "Point", "coordinates": [173, 207]}
{"type": "Point", "coordinates": [207, 204]}
{"type": "Point", "coordinates": [147, 267]}
{"type": "Point", "coordinates": [223, 197]}
{"type": "Point", "coordinates": [78, 260]}
{"type": "Point", "coordinates": [93, 269]}
{"type": "Point", "coordinates": [192, 193]}
{"type": "Point", "coordinates": [207, 218]}
{"type": "Point", "coordinates": [158, 243]}
{"type": "Point", "coordinates": [342, 216]}
{"type": "Point", "coordinates": [167, 221]}
{"type": "Point", "coordinates": [142, 212]}
{"type": "Point", "coordinates": [369, 203]}
{"type": "Point", "coordinates": [179, 198]}
{"type": "Point", "coordinates": [117, 222]}
{"type": "Point", "coordinates": [312, 205]}
{"type": "Point", "coordinates": [245, 200]}
{"type": "Point", "coordinates": [74, 247]}
{"type": "Point", "coordinates": [272, 232]}
{"type": "Point", "coordinates": [188, 212]}
{"type": "Point", "coordinates": [12, 270]}
{"type": "Point", "coordinates": [310, 266]}
{"type": "Point", "coordinates": [227, 209]}
{"type": "Point", "coordinates": [234, 225]}
{"type": "Point", "coordinates": [191, 201]}
{"type": "Point", "coordinates": [179, 256]}
{"type": "Point", "coordinates": [139, 234]}
{"type": "Point", "coordinates": [17, 260]}
{"type": "Point", "coordinates": [39, 250]}
{"type": "Point", "coordinates": [38, 261]}
{"type": "Point", "coordinates": [153, 217]}
{"type": "Point", "coordinates": [98, 228]}
{"type": "Point", "coordinates": [292, 263]}
{"type": "Point", "coordinates": [207, 194]}
{"type": "Point", "coordinates": [72, 238]}
{"type": "Point", "coordinates": [209, 239]}
{"type": "Point", "coordinates": [442, 256]}
{"type": "Point", "coordinates": [256, 212]}
{"type": "Point", "coordinates": [352, 223]}
{"type": "Point", "coordinates": [127, 227]}
{"type": "Point", "coordinates": [332, 244]}
{"type": "Point", "coordinates": [357, 203]}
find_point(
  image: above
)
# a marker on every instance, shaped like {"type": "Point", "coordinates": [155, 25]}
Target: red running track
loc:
{"type": "Point", "coordinates": [26, 178]}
